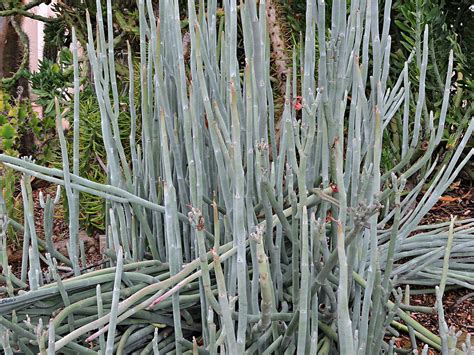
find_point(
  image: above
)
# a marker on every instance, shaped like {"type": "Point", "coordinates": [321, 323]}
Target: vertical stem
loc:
{"type": "Point", "coordinates": [115, 303]}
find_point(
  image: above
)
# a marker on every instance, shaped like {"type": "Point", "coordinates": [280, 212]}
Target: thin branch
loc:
{"type": "Point", "coordinates": [24, 12]}
{"type": "Point", "coordinates": [35, 3]}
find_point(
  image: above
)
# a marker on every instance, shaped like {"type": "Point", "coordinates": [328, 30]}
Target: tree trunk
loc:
{"type": "Point", "coordinates": [3, 38]}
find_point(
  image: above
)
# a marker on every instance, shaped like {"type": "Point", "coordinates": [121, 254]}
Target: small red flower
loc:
{"type": "Point", "coordinates": [329, 217]}
{"type": "Point", "coordinates": [334, 188]}
{"type": "Point", "coordinates": [297, 104]}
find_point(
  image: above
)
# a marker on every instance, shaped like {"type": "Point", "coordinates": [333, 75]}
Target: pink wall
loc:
{"type": "Point", "coordinates": [34, 30]}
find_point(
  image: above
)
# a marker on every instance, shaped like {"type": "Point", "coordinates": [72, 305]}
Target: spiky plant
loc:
{"type": "Point", "coordinates": [213, 247]}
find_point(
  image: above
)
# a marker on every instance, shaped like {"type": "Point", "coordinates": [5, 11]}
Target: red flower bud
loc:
{"type": "Point", "coordinates": [297, 104]}
{"type": "Point", "coordinates": [329, 217]}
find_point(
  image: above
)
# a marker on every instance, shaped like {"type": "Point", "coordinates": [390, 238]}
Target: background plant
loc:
{"type": "Point", "coordinates": [53, 79]}
{"type": "Point", "coordinates": [448, 25]}
{"type": "Point", "coordinates": [21, 133]}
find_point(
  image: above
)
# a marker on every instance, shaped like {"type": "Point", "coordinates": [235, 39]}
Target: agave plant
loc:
{"type": "Point", "coordinates": [225, 238]}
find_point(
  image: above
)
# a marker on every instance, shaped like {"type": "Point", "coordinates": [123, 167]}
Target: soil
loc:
{"type": "Point", "coordinates": [458, 304]}
{"type": "Point", "coordinates": [60, 231]}
{"type": "Point", "coordinates": [457, 201]}
{"type": "Point", "coordinates": [458, 311]}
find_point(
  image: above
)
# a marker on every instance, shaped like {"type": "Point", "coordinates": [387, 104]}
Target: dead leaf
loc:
{"type": "Point", "coordinates": [449, 199]}
{"type": "Point", "coordinates": [455, 185]}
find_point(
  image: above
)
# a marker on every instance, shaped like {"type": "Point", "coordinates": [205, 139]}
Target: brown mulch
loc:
{"type": "Point", "coordinates": [458, 308]}
{"type": "Point", "coordinates": [458, 311]}
{"type": "Point", "coordinates": [458, 201]}
{"type": "Point", "coordinates": [60, 230]}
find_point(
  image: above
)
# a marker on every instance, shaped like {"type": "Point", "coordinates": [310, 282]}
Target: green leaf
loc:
{"type": "Point", "coordinates": [403, 26]}
{"type": "Point", "coordinates": [408, 39]}
{"type": "Point", "coordinates": [7, 144]}
{"type": "Point", "coordinates": [13, 112]}
{"type": "Point", "coordinates": [55, 68]}
{"type": "Point", "coordinates": [49, 107]}
{"type": "Point", "coordinates": [65, 56]}
{"type": "Point", "coordinates": [22, 112]}
{"type": "Point", "coordinates": [40, 92]}
{"type": "Point", "coordinates": [7, 131]}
